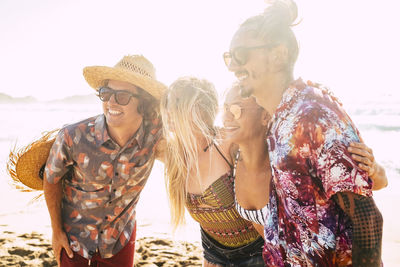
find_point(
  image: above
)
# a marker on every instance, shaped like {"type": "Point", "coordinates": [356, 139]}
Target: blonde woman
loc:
{"type": "Point", "coordinates": [199, 175]}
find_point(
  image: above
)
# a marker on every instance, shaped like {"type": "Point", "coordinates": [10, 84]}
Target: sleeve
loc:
{"type": "Point", "coordinates": [59, 161]}
{"type": "Point", "coordinates": [330, 132]}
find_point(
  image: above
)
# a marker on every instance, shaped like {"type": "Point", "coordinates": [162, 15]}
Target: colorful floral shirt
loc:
{"type": "Point", "coordinates": [105, 181]}
{"type": "Point", "coordinates": [308, 141]}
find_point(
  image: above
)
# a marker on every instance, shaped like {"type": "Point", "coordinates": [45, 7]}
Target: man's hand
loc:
{"type": "Point", "coordinates": [59, 242]}
{"type": "Point", "coordinates": [367, 228]}
{"type": "Point", "coordinates": [53, 194]}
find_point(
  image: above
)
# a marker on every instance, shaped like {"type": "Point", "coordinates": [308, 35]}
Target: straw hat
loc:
{"type": "Point", "coordinates": [26, 165]}
{"type": "Point", "coordinates": [135, 69]}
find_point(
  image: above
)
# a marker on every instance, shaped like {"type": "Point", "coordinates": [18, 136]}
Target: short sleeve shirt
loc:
{"type": "Point", "coordinates": [308, 141]}
{"type": "Point", "coordinates": [101, 181]}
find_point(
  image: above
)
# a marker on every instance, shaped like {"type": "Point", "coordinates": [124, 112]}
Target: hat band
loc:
{"type": "Point", "coordinates": [134, 68]}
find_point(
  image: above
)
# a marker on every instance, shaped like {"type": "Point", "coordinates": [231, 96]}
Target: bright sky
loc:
{"type": "Point", "coordinates": [351, 46]}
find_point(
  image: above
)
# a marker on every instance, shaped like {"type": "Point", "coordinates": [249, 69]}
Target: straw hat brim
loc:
{"type": "Point", "coordinates": [26, 166]}
{"type": "Point", "coordinates": [31, 164]}
{"type": "Point", "coordinates": [96, 75]}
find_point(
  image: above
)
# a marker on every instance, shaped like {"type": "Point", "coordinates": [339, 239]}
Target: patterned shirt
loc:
{"type": "Point", "coordinates": [100, 195]}
{"type": "Point", "coordinates": [308, 141]}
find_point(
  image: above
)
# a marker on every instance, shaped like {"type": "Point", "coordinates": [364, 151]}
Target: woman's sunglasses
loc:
{"type": "Point", "coordinates": [237, 110]}
{"type": "Point", "coordinates": [240, 54]}
{"type": "Point", "coordinates": [121, 97]}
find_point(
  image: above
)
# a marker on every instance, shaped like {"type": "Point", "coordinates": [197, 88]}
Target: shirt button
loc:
{"type": "Point", "coordinates": [106, 217]}
{"type": "Point", "coordinates": [116, 174]}
{"type": "Point", "coordinates": [91, 252]}
{"type": "Point", "coordinates": [101, 231]}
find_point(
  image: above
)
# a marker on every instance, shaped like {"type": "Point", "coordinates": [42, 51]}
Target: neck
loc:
{"type": "Point", "coordinates": [271, 94]}
{"type": "Point", "coordinates": [253, 154]}
{"type": "Point", "coordinates": [121, 135]}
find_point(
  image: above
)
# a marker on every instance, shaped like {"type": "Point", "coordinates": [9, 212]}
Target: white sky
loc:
{"type": "Point", "coordinates": [350, 45]}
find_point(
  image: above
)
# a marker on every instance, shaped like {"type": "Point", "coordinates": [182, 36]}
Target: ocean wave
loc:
{"type": "Point", "coordinates": [384, 128]}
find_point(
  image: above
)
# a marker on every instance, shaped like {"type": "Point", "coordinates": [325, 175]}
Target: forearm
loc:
{"type": "Point", "coordinates": [367, 224]}
{"type": "Point", "coordinates": [379, 178]}
{"type": "Point", "coordinates": [53, 194]}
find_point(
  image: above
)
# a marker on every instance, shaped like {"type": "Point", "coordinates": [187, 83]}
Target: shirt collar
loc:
{"type": "Point", "coordinates": [100, 130]}
{"type": "Point", "coordinates": [101, 133]}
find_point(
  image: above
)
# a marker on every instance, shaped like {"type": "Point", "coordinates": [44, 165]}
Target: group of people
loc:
{"type": "Point", "coordinates": [287, 180]}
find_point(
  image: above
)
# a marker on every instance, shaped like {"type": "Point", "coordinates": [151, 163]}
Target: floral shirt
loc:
{"type": "Point", "coordinates": [104, 182]}
{"type": "Point", "coordinates": [308, 141]}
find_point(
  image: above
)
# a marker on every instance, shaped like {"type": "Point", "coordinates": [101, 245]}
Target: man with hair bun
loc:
{"type": "Point", "coordinates": [321, 208]}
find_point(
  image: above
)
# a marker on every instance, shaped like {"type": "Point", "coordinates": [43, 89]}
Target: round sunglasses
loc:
{"type": "Point", "coordinates": [236, 110]}
{"type": "Point", "coordinates": [240, 54]}
{"type": "Point", "coordinates": [122, 97]}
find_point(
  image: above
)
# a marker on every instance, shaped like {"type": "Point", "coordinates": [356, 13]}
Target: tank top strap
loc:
{"type": "Point", "coordinates": [222, 155]}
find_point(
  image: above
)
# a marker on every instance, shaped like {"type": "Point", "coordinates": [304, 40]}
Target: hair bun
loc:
{"type": "Point", "coordinates": [282, 12]}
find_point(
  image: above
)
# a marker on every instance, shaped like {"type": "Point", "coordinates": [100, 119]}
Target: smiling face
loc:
{"type": "Point", "coordinates": [256, 70]}
{"type": "Point", "coordinates": [119, 116]}
{"type": "Point", "coordinates": [243, 118]}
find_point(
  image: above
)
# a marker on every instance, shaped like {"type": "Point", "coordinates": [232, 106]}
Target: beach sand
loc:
{"type": "Point", "coordinates": [34, 249]}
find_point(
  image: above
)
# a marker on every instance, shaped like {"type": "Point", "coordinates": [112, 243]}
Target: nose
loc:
{"type": "Point", "coordinates": [226, 116]}
{"type": "Point", "coordinates": [233, 66]}
{"type": "Point", "coordinates": [112, 99]}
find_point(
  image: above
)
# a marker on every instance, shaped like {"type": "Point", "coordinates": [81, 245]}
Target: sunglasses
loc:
{"type": "Point", "coordinates": [240, 54]}
{"type": "Point", "coordinates": [236, 110]}
{"type": "Point", "coordinates": [122, 97]}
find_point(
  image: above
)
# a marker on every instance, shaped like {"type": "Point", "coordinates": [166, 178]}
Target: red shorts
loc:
{"type": "Point", "coordinates": [123, 258]}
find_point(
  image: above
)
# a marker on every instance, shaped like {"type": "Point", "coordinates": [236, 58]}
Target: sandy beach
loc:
{"type": "Point", "coordinates": [34, 249]}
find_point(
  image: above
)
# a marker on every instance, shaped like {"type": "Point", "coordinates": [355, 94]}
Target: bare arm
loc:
{"type": "Point", "coordinates": [366, 161]}
{"type": "Point", "coordinates": [367, 228]}
{"type": "Point", "coordinates": [259, 228]}
{"type": "Point", "coordinates": [53, 195]}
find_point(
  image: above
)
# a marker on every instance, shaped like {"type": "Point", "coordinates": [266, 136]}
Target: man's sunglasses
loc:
{"type": "Point", "coordinates": [122, 97]}
{"type": "Point", "coordinates": [240, 54]}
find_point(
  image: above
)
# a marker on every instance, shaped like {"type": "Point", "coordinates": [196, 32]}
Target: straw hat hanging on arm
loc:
{"type": "Point", "coordinates": [26, 165]}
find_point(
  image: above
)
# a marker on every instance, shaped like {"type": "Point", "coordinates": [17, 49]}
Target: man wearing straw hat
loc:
{"type": "Point", "coordinates": [108, 159]}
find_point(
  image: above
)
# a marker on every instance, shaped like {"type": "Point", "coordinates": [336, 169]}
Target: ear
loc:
{"type": "Point", "coordinates": [265, 118]}
{"type": "Point", "coordinates": [279, 57]}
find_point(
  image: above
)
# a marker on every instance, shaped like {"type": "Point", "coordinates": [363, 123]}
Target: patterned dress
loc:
{"type": "Point", "coordinates": [308, 141]}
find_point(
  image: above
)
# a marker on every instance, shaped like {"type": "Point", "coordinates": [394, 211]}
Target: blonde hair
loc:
{"type": "Point", "coordinates": [188, 110]}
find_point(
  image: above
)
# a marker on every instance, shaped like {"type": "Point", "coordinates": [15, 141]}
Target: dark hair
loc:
{"type": "Point", "coordinates": [149, 106]}
{"type": "Point", "coordinates": [274, 26]}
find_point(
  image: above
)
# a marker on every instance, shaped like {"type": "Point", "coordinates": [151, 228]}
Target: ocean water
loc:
{"type": "Point", "coordinates": [23, 123]}
{"type": "Point", "coordinates": [377, 119]}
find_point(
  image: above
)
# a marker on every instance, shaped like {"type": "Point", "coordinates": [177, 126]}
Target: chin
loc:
{"type": "Point", "coordinates": [245, 92]}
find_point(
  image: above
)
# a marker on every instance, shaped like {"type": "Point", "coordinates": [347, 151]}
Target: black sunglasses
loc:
{"type": "Point", "coordinates": [122, 97]}
{"type": "Point", "coordinates": [240, 54]}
